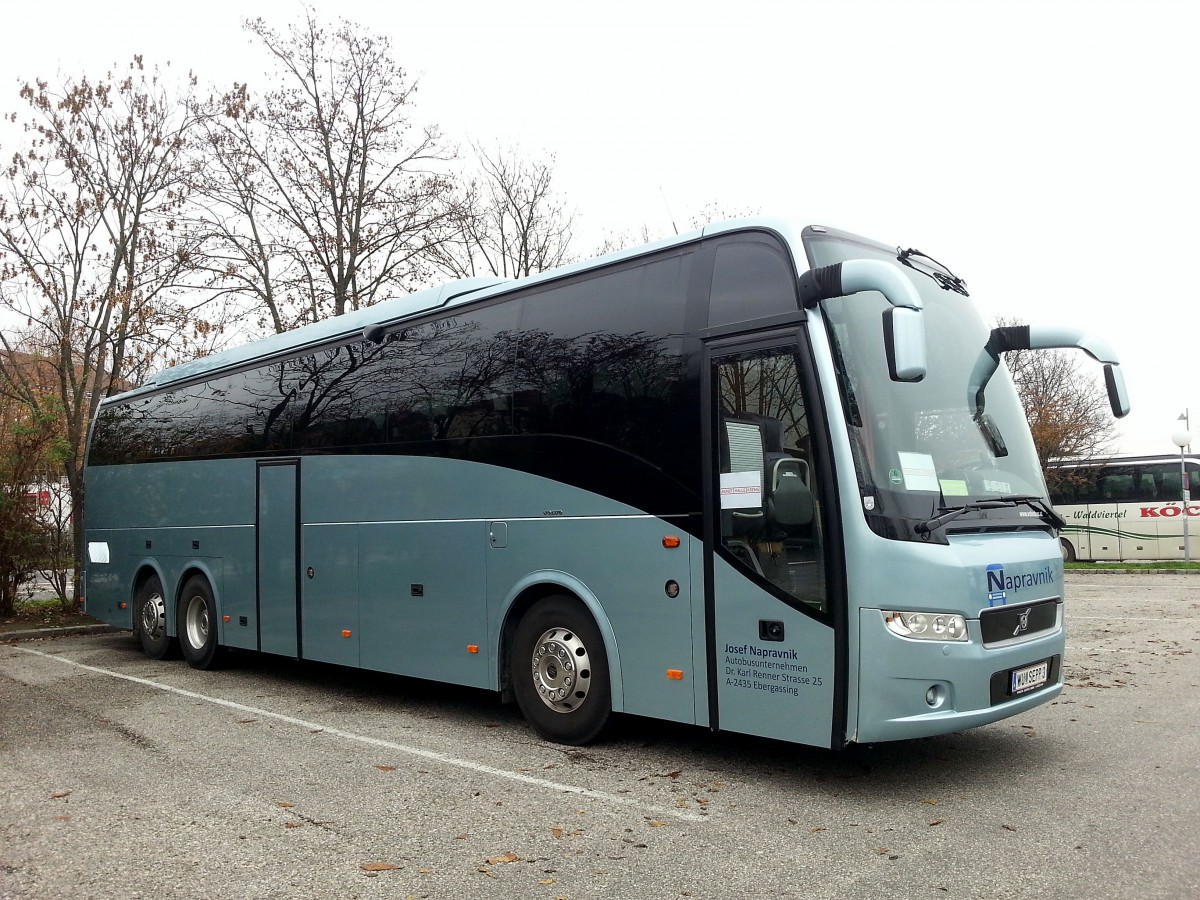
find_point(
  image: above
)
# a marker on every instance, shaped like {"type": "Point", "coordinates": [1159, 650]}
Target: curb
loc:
{"type": "Point", "coordinates": [34, 634]}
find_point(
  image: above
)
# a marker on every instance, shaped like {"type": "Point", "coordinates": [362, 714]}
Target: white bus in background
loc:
{"type": "Point", "coordinates": [1126, 508]}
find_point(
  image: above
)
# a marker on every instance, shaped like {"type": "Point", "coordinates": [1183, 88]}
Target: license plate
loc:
{"type": "Point", "coordinates": [1030, 677]}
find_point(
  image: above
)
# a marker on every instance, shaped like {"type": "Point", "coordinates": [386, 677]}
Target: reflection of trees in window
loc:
{"type": "Point", "coordinates": [614, 388]}
{"type": "Point", "coordinates": [767, 386]}
{"type": "Point", "coordinates": [464, 377]}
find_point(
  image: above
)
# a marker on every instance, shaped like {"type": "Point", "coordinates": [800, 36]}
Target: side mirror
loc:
{"type": "Point", "coordinates": [903, 326]}
{"type": "Point", "coordinates": [1118, 397]}
{"type": "Point", "coordinates": [1041, 337]}
{"type": "Point", "coordinates": [904, 341]}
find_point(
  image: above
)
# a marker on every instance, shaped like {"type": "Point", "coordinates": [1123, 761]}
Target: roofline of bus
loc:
{"type": "Point", "coordinates": [390, 313]}
{"type": "Point", "coordinates": [1119, 460]}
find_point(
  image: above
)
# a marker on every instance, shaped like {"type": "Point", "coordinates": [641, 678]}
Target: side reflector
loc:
{"type": "Point", "coordinates": [123, 605]}
{"type": "Point", "coordinates": [472, 648]}
{"type": "Point", "coordinates": [670, 541]}
{"type": "Point", "coordinates": [675, 674]}
{"type": "Point", "coordinates": [345, 634]}
{"type": "Point", "coordinates": [226, 618]}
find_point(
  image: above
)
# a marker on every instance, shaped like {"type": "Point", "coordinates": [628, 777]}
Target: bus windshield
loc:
{"type": "Point", "coordinates": [922, 448]}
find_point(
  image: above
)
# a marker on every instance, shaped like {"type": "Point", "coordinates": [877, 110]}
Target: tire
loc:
{"type": "Point", "coordinates": [1068, 550]}
{"type": "Point", "coordinates": [559, 671]}
{"type": "Point", "coordinates": [197, 624]}
{"type": "Point", "coordinates": [150, 621]}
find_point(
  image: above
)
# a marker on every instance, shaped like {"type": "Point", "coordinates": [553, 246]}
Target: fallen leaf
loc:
{"type": "Point", "coordinates": [246, 721]}
{"type": "Point", "coordinates": [936, 822]}
{"type": "Point", "coordinates": [378, 867]}
{"type": "Point", "coordinates": [502, 858]}
{"type": "Point", "coordinates": [546, 881]}
{"type": "Point", "coordinates": [654, 823]}
{"type": "Point", "coordinates": [386, 768]}
{"type": "Point", "coordinates": [62, 818]}
{"type": "Point", "coordinates": [1008, 828]}
{"type": "Point", "coordinates": [557, 832]}
{"type": "Point", "coordinates": [425, 871]}
{"type": "Point", "coordinates": [293, 824]}
{"type": "Point", "coordinates": [461, 837]}
{"type": "Point", "coordinates": [930, 802]}
{"type": "Point", "coordinates": [285, 805]}
{"type": "Point", "coordinates": [816, 828]}
{"type": "Point", "coordinates": [60, 795]}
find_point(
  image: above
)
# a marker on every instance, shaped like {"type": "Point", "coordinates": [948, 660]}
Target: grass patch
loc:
{"type": "Point", "coordinates": [1174, 565]}
{"type": "Point", "coordinates": [46, 613]}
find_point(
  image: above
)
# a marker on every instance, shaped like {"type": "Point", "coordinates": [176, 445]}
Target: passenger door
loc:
{"type": "Point", "coordinates": [771, 620]}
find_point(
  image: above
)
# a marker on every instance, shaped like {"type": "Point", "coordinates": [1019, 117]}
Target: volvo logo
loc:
{"type": "Point", "coordinates": [1022, 622]}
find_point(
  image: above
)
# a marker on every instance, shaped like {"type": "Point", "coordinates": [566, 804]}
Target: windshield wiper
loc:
{"type": "Point", "coordinates": [950, 513]}
{"type": "Point", "coordinates": [1044, 509]}
{"type": "Point", "coordinates": [953, 512]}
{"type": "Point", "coordinates": [927, 265]}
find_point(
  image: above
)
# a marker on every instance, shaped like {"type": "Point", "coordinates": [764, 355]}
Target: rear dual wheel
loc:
{"type": "Point", "coordinates": [197, 624]}
{"type": "Point", "coordinates": [150, 620]}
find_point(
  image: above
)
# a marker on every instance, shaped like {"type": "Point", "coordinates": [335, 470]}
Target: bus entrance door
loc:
{"type": "Point", "coordinates": [772, 623]}
{"type": "Point", "coordinates": [277, 557]}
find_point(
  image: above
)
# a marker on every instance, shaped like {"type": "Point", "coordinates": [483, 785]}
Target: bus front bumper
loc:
{"type": "Point", "coordinates": [910, 689]}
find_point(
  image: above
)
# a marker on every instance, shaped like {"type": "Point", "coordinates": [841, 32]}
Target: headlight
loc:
{"type": "Point", "coordinates": [926, 626]}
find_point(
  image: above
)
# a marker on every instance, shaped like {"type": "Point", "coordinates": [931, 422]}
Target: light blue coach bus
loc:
{"type": "Point", "coordinates": [761, 478]}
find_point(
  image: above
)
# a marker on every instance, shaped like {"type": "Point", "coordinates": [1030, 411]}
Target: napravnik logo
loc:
{"type": "Point", "coordinates": [999, 584]}
{"type": "Point", "coordinates": [995, 584]}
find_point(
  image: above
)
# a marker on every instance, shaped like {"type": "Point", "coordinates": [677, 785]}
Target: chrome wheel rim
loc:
{"type": "Point", "coordinates": [195, 622]}
{"type": "Point", "coordinates": [154, 616]}
{"type": "Point", "coordinates": [562, 670]}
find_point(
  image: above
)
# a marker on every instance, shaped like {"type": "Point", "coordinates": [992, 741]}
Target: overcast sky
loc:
{"type": "Point", "coordinates": [1045, 151]}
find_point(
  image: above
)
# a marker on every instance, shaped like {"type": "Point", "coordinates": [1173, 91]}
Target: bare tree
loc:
{"type": "Point", "coordinates": [510, 221]}
{"type": "Point", "coordinates": [1067, 409]}
{"type": "Point", "coordinates": [91, 247]}
{"type": "Point", "coordinates": [322, 195]}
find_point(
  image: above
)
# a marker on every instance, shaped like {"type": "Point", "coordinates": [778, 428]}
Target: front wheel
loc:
{"type": "Point", "coordinates": [197, 624]}
{"type": "Point", "coordinates": [150, 620]}
{"type": "Point", "coordinates": [559, 671]}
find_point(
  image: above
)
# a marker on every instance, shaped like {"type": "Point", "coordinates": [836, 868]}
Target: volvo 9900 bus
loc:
{"type": "Point", "coordinates": [763, 478]}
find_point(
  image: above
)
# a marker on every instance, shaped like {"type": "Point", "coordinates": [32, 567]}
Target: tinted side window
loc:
{"type": "Point", "coordinates": [447, 379]}
{"type": "Point", "coordinates": [751, 278]}
{"type": "Point", "coordinates": [601, 359]}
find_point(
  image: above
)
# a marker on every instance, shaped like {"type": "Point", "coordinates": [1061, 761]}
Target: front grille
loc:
{"type": "Point", "coordinates": [1007, 623]}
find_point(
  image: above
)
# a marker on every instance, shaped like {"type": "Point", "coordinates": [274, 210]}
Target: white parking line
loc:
{"type": "Point", "coordinates": [443, 758]}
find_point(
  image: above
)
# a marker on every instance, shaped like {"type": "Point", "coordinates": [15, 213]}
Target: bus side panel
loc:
{"type": "Point", "coordinates": [329, 593]}
{"type": "Point", "coordinates": [423, 600]}
{"type": "Point", "coordinates": [622, 562]}
{"type": "Point", "coordinates": [178, 516]}
{"type": "Point", "coordinates": [773, 688]}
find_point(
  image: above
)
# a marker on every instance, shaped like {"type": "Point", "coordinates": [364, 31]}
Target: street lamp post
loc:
{"type": "Point", "coordinates": [1183, 439]}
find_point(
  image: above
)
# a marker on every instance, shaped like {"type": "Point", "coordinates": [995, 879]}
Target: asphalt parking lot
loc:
{"type": "Point", "coordinates": [121, 776]}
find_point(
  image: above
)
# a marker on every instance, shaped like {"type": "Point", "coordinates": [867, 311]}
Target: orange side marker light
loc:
{"type": "Point", "coordinates": [472, 648]}
{"type": "Point", "coordinates": [675, 674]}
{"type": "Point", "coordinates": [346, 634]}
{"type": "Point", "coordinates": [670, 541]}
{"type": "Point", "coordinates": [226, 618]}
